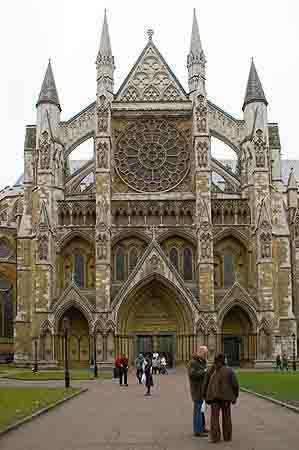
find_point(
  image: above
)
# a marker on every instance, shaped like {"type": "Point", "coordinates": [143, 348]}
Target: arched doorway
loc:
{"type": "Point", "coordinates": [238, 337]}
{"type": "Point", "coordinates": [154, 318]}
{"type": "Point", "coordinates": [79, 342]}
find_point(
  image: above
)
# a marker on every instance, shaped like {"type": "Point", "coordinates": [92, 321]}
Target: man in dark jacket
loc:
{"type": "Point", "coordinates": [196, 371]}
{"type": "Point", "coordinates": [222, 391]}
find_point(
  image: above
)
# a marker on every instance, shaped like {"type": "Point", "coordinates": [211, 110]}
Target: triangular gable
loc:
{"type": "Point", "coordinates": [154, 261]}
{"type": "Point", "coordinates": [204, 218]}
{"type": "Point", "coordinates": [151, 80]}
{"type": "Point", "coordinates": [236, 294]}
{"type": "Point", "coordinates": [263, 218]}
{"type": "Point", "coordinates": [43, 221]}
{"type": "Point", "coordinates": [73, 297]}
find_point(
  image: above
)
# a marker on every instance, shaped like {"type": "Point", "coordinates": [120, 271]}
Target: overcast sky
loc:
{"type": "Point", "coordinates": [68, 32]}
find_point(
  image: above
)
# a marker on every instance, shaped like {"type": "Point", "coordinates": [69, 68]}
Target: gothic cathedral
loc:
{"type": "Point", "coordinates": [152, 254]}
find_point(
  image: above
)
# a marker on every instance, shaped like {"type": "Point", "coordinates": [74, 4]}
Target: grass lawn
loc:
{"type": "Point", "coordinates": [18, 403]}
{"type": "Point", "coordinates": [282, 386]}
{"type": "Point", "coordinates": [58, 375]}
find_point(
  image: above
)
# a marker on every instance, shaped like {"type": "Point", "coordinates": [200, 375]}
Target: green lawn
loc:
{"type": "Point", "coordinates": [282, 386]}
{"type": "Point", "coordinates": [18, 403]}
{"type": "Point", "coordinates": [58, 375]}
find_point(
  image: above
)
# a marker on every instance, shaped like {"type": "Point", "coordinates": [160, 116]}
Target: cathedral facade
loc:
{"type": "Point", "coordinates": [152, 254]}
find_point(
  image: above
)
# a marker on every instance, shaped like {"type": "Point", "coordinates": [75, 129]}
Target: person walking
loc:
{"type": "Point", "coordinates": [156, 363]}
{"type": "Point", "coordinates": [278, 362]}
{"type": "Point", "coordinates": [148, 375]}
{"type": "Point", "coordinates": [139, 367]}
{"type": "Point", "coordinates": [196, 371]}
{"type": "Point", "coordinates": [123, 372]}
{"type": "Point", "coordinates": [222, 391]}
{"type": "Point", "coordinates": [163, 364]}
{"type": "Point", "coordinates": [285, 362]}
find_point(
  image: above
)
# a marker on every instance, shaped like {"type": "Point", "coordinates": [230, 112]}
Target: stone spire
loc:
{"type": "Point", "coordinates": [292, 190]}
{"type": "Point", "coordinates": [254, 90]}
{"type": "Point", "coordinates": [105, 59]}
{"type": "Point", "coordinates": [196, 59]}
{"type": "Point", "coordinates": [48, 93]}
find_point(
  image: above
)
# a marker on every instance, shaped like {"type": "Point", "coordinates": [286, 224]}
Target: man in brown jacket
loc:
{"type": "Point", "coordinates": [222, 391]}
{"type": "Point", "coordinates": [196, 371]}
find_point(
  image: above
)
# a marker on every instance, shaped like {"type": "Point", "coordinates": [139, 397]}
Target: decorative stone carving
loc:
{"type": "Point", "coordinates": [151, 80]}
{"type": "Point", "coordinates": [102, 212]}
{"type": "Point", "coordinates": [201, 112]}
{"type": "Point", "coordinates": [205, 245]}
{"type": "Point", "coordinates": [101, 244]}
{"type": "Point", "coordinates": [44, 151]}
{"type": "Point", "coordinates": [154, 261]}
{"type": "Point", "coordinates": [265, 245]}
{"type": "Point", "coordinates": [202, 149]}
{"type": "Point", "coordinates": [103, 115]}
{"type": "Point", "coordinates": [43, 248]}
{"type": "Point", "coordinates": [260, 149]}
{"type": "Point", "coordinates": [102, 155]}
{"type": "Point", "coordinates": [152, 156]}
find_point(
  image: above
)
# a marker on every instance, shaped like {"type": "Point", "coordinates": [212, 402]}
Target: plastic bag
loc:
{"type": "Point", "coordinates": [203, 407]}
{"type": "Point", "coordinates": [143, 378]}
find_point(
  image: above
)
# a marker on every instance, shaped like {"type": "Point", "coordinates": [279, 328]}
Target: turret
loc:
{"type": "Point", "coordinates": [255, 103]}
{"type": "Point", "coordinates": [105, 59]}
{"type": "Point", "coordinates": [292, 190]}
{"type": "Point", "coordinates": [196, 60]}
{"type": "Point", "coordinates": [48, 105]}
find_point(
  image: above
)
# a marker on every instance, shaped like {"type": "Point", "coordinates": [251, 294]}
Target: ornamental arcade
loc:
{"type": "Point", "coordinates": [152, 244]}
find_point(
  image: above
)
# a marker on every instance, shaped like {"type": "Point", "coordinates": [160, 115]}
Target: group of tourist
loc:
{"type": "Point", "coordinates": [282, 362]}
{"type": "Point", "coordinates": [218, 387]}
{"type": "Point", "coordinates": [145, 365]}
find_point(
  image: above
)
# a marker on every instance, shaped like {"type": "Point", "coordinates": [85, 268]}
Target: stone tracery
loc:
{"type": "Point", "coordinates": [152, 156]}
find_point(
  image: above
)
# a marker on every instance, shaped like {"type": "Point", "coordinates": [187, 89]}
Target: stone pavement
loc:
{"type": "Point", "coordinates": [108, 417]}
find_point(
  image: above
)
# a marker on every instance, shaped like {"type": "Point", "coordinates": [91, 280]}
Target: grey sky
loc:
{"type": "Point", "coordinates": [68, 32]}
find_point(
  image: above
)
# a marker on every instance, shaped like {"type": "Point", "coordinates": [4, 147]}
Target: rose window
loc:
{"type": "Point", "coordinates": [152, 156]}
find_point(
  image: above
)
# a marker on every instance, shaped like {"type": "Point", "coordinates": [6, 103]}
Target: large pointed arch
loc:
{"type": "Point", "coordinates": [182, 303]}
{"type": "Point", "coordinates": [71, 235]}
{"type": "Point", "coordinates": [232, 232]}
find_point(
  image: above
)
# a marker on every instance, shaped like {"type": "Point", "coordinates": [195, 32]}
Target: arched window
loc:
{"type": "Point", "coordinates": [228, 268]}
{"type": "Point", "coordinates": [5, 250]}
{"type": "Point", "coordinates": [133, 258]}
{"type": "Point", "coordinates": [120, 264]}
{"type": "Point", "coordinates": [174, 257]}
{"type": "Point", "coordinates": [6, 309]}
{"type": "Point", "coordinates": [187, 263]}
{"type": "Point", "coordinates": [79, 270]}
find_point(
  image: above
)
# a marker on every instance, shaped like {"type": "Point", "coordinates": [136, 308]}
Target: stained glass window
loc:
{"type": "Point", "coordinates": [120, 264]}
{"type": "Point", "coordinates": [79, 270]}
{"type": "Point", "coordinates": [133, 258]}
{"type": "Point", "coordinates": [5, 251]}
{"type": "Point", "coordinates": [228, 270]}
{"type": "Point", "coordinates": [188, 272]}
{"type": "Point", "coordinates": [174, 257]}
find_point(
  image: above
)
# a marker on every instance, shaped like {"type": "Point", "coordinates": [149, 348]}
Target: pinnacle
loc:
{"type": "Point", "coordinates": [105, 45]}
{"type": "Point", "coordinates": [48, 93]}
{"type": "Point", "coordinates": [195, 43]}
{"type": "Point", "coordinates": [292, 180]}
{"type": "Point", "coordinates": [254, 90]}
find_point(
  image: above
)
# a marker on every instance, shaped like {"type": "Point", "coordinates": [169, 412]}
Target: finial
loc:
{"type": "Point", "coordinates": [150, 34]}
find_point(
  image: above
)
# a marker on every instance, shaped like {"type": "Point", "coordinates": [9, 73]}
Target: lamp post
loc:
{"type": "Point", "coordinates": [95, 366]}
{"type": "Point", "coordinates": [35, 365]}
{"type": "Point", "coordinates": [294, 351]}
{"type": "Point", "coordinates": [66, 329]}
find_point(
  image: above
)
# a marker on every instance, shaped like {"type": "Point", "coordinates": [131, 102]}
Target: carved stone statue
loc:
{"type": "Point", "coordinates": [205, 241]}
{"type": "Point", "coordinates": [102, 211]}
{"type": "Point", "coordinates": [101, 245]}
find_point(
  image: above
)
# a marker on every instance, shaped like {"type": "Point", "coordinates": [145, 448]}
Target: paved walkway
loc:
{"type": "Point", "coordinates": [108, 417]}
